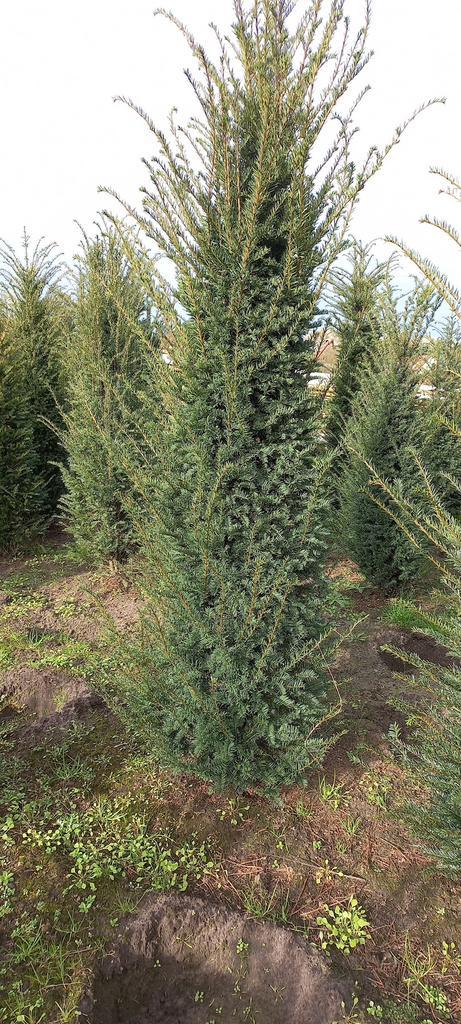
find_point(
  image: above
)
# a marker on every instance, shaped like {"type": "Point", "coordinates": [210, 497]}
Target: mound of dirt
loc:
{"type": "Point", "coordinates": [184, 960]}
{"type": "Point", "coordinates": [412, 643]}
{"type": "Point", "coordinates": [50, 697]}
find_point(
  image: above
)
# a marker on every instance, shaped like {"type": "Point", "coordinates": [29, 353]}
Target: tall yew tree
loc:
{"type": "Point", "coordinates": [386, 426]}
{"type": "Point", "coordinates": [20, 497]}
{"type": "Point", "coordinates": [35, 310]}
{"type": "Point", "coordinates": [250, 210]}
{"type": "Point", "coordinates": [355, 308]}
{"type": "Point", "coordinates": [444, 415]}
{"type": "Point", "coordinates": [107, 404]}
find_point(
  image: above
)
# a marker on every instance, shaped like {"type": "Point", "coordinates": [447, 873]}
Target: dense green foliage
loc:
{"type": "Point", "coordinates": [444, 415]}
{"type": "Point", "coordinates": [227, 679]}
{"type": "Point", "coordinates": [34, 314]}
{"type": "Point", "coordinates": [106, 362]}
{"type": "Point", "coordinates": [438, 748]}
{"type": "Point", "coordinates": [435, 711]}
{"type": "Point", "coordinates": [20, 496]}
{"type": "Point", "coordinates": [385, 426]}
{"type": "Point", "coordinates": [354, 302]}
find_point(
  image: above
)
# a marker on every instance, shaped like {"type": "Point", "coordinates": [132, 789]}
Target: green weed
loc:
{"type": "Point", "coordinates": [377, 789]}
{"type": "Point", "coordinates": [67, 609]}
{"type": "Point", "coordinates": [22, 604]}
{"type": "Point", "coordinates": [326, 873]}
{"type": "Point", "coordinates": [7, 891]}
{"type": "Point", "coordinates": [400, 612]}
{"type": "Point", "coordinates": [262, 905]}
{"type": "Point", "coordinates": [332, 793]}
{"type": "Point", "coordinates": [234, 811]}
{"type": "Point", "coordinates": [69, 656]}
{"type": "Point", "coordinates": [419, 967]}
{"type": "Point", "coordinates": [345, 929]}
{"type": "Point", "coordinates": [303, 811]}
{"type": "Point", "coordinates": [110, 840]}
{"type": "Point", "coordinates": [352, 825]}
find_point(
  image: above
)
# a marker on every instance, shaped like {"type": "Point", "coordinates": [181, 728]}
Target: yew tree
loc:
{"type": "Point", "coordinates": [249, 204]}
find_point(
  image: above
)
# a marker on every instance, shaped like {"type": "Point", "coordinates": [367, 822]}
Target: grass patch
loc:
{"type": "Point", "coordinates": [400, 612]}
{"type": "Point", "coordinates": [70, 655]}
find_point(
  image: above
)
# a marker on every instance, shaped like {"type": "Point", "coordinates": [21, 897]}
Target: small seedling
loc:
{"type": "Point", "coordinates": [199, 997]}
{"type": "Point", "coordinates": [352, 825]}
{"type": "Point", "coordinates": [451, 959]}
{"type": "Point", "coordinates": [377, 789]}
{"type": "Point", "coordinates": [375, 1010]}
{"type": "Point", "coordinates": [332, 793]}
{"type": "Point", "coordinates": [303, 812]}
{"type": "Point", "coordinates": [242, 947]}
{"type": "Point", "coordinates": [279, 839]}
{"type": "Point", "coordinates": [326, 873]}
{"type": "Point", "coordinates": [234, 811]}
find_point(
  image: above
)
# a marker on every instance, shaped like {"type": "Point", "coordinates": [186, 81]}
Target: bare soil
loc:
{"type": "Point", "coordinates": [184, 960]}
{"type": "Point", "coordinates": [50, 697]}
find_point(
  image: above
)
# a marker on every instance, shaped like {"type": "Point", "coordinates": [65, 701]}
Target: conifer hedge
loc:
{"type": "Point", "coordinates": [107, 405]}
{"type": "Point", "coordinates": [250, 209]}
{"type": "Point", "coordinates": [34, 312]}
{"type": "Point", "coordinates": [385, 427]}
{"type": "Point", "coordinates": [354, 305]}
{"type": "Point", "coordinates": [433, 751]}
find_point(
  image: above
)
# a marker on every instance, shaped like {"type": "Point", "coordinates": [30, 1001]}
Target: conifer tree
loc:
{"type": "Point", "coordinates": [384, 428]}
{"type": "Point", "coordinates": [226, 679]}
{"type": "Point", "coordinates": [106, 401]}
{"type": "Point", "coordinates": [354, 304]}
{"type": "Point", "coordinates": [444, 414]}
{"type": "Point", "coordinates": [34, 311]}
{"type": "Point", "coordinates": [434, 747]}
{"type": "Point", "coordinates": [19, 496]}
{"type": "Point", "coordinates": [435, 531]}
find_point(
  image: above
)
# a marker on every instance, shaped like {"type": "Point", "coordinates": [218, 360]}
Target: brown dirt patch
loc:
{"type": "Point", "coordinates": [85, 605]}
{"type": "Point", "coordinates": [369, 674]}
{"type": "Point", "coordinates": [413, 644]}
{"type": "Point", "coordinates": [47, 695]}
{"type": "Point", "coordinates": [369, 683]}
{"type": "Point", "coordinates": [178, 963]}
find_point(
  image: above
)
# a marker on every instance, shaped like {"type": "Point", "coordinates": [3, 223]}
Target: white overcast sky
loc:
{"type": "Point", "coordinates": [62, 136]}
